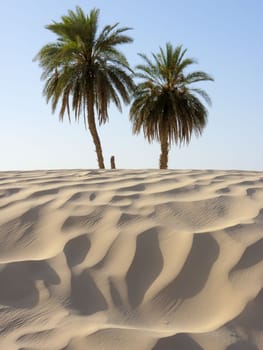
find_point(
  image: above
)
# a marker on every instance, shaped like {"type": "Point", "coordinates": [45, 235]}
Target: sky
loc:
{"type": "Point", "coordinates": [225, 36]}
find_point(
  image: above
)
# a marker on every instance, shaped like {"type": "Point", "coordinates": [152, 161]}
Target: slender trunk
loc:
{"type": "Point", "coordinates": [93, 131]}
{"type": "Point", "coordinates": [164, 151]}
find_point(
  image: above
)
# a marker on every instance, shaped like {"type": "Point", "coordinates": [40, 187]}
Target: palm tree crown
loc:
{"type": "Point", "coordinates": [166, 105]}
{"type": "Point", "coordinates": [84, 71]}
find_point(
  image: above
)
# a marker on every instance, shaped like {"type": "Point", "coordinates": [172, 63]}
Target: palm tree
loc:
{"type": "Point", "coordinates": [166, 105]}
{"type": "Point", "coordinates": [84, 70]}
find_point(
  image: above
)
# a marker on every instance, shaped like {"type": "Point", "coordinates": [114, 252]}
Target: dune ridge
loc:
{"type": "Point", "coordinates": [131, 259]}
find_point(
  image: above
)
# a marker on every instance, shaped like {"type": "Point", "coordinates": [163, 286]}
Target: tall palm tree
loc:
{"type": "Point", "coordinates": [84, 70]}
{"type": "Point", "coordinates": [166, 105]}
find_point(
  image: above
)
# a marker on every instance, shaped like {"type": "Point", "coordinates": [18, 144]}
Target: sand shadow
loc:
{"type": "Point", "coordinates": [259, 217]}
{"type": "Point", "coordinates": [9, 192]}
{"type": "Point", "coordinates": [132, 188]}
{"type": "Point", "coordinates": [195, 272]}
{"type": "Point", "coordinates": [76, 250]}
{"type": "Point", "coordinates": [177, 342]}
{"type": "Point", "coordinates": [22, 228]}
{"type": "Point", "coordinates": [242, 345]}
{"type": "Point", "coordinates": [17, 281]}
{"type": "Point", "coordinates": [251, 256]}
{"type": "Point", "coordinates": [115, 295]}
{"type": "Point", "coordinates": [146, 265]}
{"type": "Point", "coordinates": [42, 193]}
{"type": "Point", "coordinates": [251, 317]}
{"type": "Point", "coordinates": [86, 297]}
{"type": "Point", "coordinates": [127, 219]}
{"type": "Point", "coordinates": [78, 222]}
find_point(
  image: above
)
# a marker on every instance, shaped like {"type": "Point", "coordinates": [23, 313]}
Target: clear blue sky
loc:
{"type": "Point", "coordinates": [225, 36]}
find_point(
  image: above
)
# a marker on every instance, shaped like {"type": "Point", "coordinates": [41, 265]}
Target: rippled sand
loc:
{"type": "Point", "coordinates": [142, 259]}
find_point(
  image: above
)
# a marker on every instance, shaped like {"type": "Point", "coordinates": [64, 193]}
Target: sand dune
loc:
{"type": "Point", "coordinates": [143, 259]}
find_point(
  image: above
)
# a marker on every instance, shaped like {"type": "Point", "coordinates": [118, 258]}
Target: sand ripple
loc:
{"type": "Point", "coordinates": [138, 259]}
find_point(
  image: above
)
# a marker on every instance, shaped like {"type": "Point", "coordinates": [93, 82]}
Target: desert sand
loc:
{"type": "Point", "coordinates": [131, 259]}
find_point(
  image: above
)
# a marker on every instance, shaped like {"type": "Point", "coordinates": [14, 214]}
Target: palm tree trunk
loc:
{"type": "Point", "coordinates": [164, 151]}
{"type": "Point", "coordinates": [94, 133]}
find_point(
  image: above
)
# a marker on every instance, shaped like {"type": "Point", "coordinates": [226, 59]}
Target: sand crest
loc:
{"type": "Point", "coordinates": [131, 259]}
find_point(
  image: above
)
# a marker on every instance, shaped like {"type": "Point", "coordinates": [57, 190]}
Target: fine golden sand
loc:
{"type": "Point", "coordinates": [131, 259]}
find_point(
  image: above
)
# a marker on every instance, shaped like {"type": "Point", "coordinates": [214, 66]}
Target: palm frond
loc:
{"type": "Point", "coordinates": [164, 103]}
{"type": "Point", "coordinates": [83, 61]}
